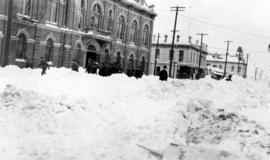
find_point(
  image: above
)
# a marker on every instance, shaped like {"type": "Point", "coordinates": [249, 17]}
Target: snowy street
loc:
{"type": "Point", "coordinates": [67, 115]}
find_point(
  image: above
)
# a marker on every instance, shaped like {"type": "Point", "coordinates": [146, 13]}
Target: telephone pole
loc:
{"type": "Point", "coordinates": [228, 45]}
{"type": "Point", "coordinates": [176, 10]}
{"type": "Point", "coordinates": [202, 35]}
{"type": "Point", "coordinates": [246, 66]}
{"type": "Point", "coordinates": [256, 70]}
{"type": "Point", "coordinates": [157, 52]}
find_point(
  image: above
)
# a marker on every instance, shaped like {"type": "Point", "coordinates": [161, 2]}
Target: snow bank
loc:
{"type": "Point", "coordinates": [76, 116]}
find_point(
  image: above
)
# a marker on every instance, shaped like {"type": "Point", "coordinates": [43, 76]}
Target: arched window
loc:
{"type": "Point", "coordinates": [27, 7]}
{"type": "Point", "coordinates": [97, 16]}
{"type": "Point", "coordinates": [143, 63]}
{"type": "Point", "coordinates": [134, 32]}
{"type": "Point", "coordinates": [118, 58]}
{"type": "Point", "coordinates": [121, 28]}
{"type": "Point", "coordinates": [81, 14]}
{"type": "Point", "coordinates": [78, 56]}
{"type": "Point", "coordinates": [21, 47]}
{"type": "Point", "coordinates": [110, 21]}
{"type": "Point", "coordinates": [146, 35]}
{"type": "Point", "coordinates": [53, 14]}
{"type": "Point", "coordinates": [49, 50]}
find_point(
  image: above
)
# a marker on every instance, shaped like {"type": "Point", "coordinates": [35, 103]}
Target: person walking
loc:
{"type": "Point", "coordinates": [163, 75]}
{"type": "Point", "coordinates": [43, 65]}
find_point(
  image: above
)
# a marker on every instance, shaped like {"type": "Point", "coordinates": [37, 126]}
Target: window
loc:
{"type": "Point", "coordinates": [191, 57]}
{"type": "Point", "coordinates": [232, 68]}
{"type": "Point", "coordinates": [121, 28]}
{"type": "Point", "coordinates": [181, 55]}
{"type": "Point", "coordinates": [110, 21]}
{"type": "Point", "coordinates": [53, 11]}
{"type": "Point", "coordinates": [239, 69]}
{"type": "Point", "coordinates": [220, 66]}
{"type": "Point", "coordinates": [78, 57]}
{"type": "Point", "coordinates": [107, 54]}
{"type": "Point", "coordinates": [134, 32]}
{"type": "Point", "coordinates": [26, 7]}
{"type": "Point", "coordinates": [21, 48]}
{"type": "Point", "coordinates": [81, 15]}
{"type": "Point", "coordinates": [158, 54]}
{"type": "Point", "coordinates": [97, 16]}
{"type": "Point", "coordinates": [146, 35]}
{"type": "Point", "coordinates": [143, 63]}
{"type": "Point", "coordinates": [214, 66]}
{"type": "Point", "coordinates": [49, 50]}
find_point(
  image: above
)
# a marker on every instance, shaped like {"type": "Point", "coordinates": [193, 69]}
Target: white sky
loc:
{"type": "Point", "coordinates": [249, 20]}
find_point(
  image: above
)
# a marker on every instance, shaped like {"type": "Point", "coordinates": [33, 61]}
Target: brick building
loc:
{"type": "Point", "coordinates": [185, 60]}
{"type": "Point", "coordinates": [114, 31]}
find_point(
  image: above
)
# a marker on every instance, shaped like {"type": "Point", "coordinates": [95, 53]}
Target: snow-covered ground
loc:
{"type": "Point", "coordinates": [66, 115]}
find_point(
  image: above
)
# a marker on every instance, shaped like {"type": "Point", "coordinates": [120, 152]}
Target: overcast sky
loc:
{"type": "Point", "coordinates": [245, 22]}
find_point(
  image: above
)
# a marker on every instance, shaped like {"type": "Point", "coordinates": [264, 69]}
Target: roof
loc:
{"type": "Point", "coordinates": [222, 58]}
{"type": "Point", "coordinates": [178, 45]}
{"type": "Point", "coordinates": [139, 6]}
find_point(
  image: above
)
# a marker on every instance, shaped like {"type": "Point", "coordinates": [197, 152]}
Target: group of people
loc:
{"type": "Point", "coordinates": [105, 69]}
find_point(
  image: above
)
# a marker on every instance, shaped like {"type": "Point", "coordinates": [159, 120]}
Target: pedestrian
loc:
{"type": "Point", "coordinates": [229, 78]}
{"type": "Point", "coordinates": [44, 66]}
{"type": "Point", "coordinates": [27, 63]}
{"type": "Point", "coordinates": [75, 66]}
{"type": "Point", "coordinates": [163, 75]}
{"type": "Point", "coordinates": [89, 66]}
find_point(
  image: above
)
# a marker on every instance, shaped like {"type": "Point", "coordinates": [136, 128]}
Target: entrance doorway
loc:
{"type": "Point", "coordinates": [92, 54]}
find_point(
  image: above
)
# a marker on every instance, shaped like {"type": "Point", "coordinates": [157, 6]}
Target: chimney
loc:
{"type": "Point", "coordinates": [178, 38]}
{"type": "Point", "coordinates": [165, 38]}
{"type": "Point", "coordinates": [189, 39]}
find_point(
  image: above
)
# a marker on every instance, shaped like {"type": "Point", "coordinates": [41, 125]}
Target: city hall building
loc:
{"type": "Point", "coordinates": [111, 31]}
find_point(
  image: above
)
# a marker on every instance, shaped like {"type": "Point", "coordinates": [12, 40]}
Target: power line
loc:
{"type": "Point", "coordinates": [223, 27]}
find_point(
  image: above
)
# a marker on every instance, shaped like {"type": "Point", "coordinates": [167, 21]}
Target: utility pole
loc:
{"type": "Point", "coordinates": [176, 10]}
{"type": "Point", "coordinates": [157, 52]}
{"type": "Point", "coordinates": [7, 34]}
{"type": "Point", "coordinates": [256, 70]}
{"type": "Point", "coordinates": [246, 66]}
{"type": "Point", "coordinates": [202, 35]}
{"type": "Point", "coordinates": [228, 45]}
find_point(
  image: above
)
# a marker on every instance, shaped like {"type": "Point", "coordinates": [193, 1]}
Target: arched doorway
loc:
{"type": "Point", "coordinates": [92, 54]}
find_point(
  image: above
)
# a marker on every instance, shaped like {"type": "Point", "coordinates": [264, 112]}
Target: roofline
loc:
{"type": "Point", "coordinates": [181, 45]}
{"type": "Point", "coordinates": [227, 62]}
{"type": "Point", "coordinates": [152, 13]}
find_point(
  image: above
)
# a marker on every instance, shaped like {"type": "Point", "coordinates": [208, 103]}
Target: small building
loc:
{"type": "Point", "coordinates": [236, 64]}
{"type": "Point", "coordinates": [105, 31]}
{"type": "Point", "coordinates": [185, 64]}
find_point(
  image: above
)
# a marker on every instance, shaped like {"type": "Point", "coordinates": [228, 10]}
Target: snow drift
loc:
{"type": "Point", "coordinates": [66, 115]}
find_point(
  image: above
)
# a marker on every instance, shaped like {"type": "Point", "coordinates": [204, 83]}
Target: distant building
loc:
{"type": "Point", "coordinates": [186, 57]}
{"type": "Point", "coordinates": [218, 61]}
{"type": "Point", "coordinates": [61, 30]}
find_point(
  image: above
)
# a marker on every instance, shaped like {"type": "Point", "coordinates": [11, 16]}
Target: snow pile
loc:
{"type": "Point", "coordinates": [68, 115]}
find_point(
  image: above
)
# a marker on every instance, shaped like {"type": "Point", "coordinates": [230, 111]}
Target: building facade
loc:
{"type": "Point", "coordinates": [185, 62]}
{"type": "Point", "coordinates": [236, 64]}
{"type": "Point", "coordinates": [111, 31]}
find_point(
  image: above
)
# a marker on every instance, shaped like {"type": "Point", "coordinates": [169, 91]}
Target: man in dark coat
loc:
{"type": "Point", "coordinates": [229, 78]}
{"type": "Point", "coordinates": [44, 66]}
{"type": "Point", "coordinates": [163, 75]}
{"type": "Point", "coordinates": [75, 66]}
{"type": "Point", "coordinates": [89, 66]}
